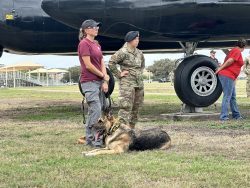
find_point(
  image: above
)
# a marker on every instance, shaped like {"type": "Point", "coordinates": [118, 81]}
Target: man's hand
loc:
{"type": "Point", "coordinates": [124, 73]}
{"type": "Point", "coordinates": [218, 70]}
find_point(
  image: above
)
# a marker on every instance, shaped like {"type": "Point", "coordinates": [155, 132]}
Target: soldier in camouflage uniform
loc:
{"type": "Point", "coordinates": [131, 87]}
{"type": "Point", "coordinates": [247, 72]}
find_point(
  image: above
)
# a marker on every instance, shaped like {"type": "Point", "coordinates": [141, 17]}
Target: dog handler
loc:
{"type": "Point", "coordinates": [93, 78]}
{"type": "Point", "coordinates": [131, 87]}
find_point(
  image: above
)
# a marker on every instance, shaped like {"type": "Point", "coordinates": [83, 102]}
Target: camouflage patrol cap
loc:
{"type": "Point", "coordinates": [90, 23]}
{"type": "Point", "coordinates": [131, 35]}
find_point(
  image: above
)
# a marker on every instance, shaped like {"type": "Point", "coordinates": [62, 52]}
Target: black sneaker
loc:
{"type": "Point", "coordinates": [99, 146]}
{"type": "Point", "coordinates": [89, 144]}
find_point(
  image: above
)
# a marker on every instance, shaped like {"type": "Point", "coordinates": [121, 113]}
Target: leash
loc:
{"type": "Point", "coordinates": [105, 108]}
{"type": "Point", "coordinates": [83, 114]}
{"type": "Point", "coordinates": [83, 100]}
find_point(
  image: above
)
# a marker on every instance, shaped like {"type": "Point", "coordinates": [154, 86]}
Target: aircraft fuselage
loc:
{"type": "Point", "coordinates": [25, 27]}
{"type": "Point", "coordinates": [158, 20]}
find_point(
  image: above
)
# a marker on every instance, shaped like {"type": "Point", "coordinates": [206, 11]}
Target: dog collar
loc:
{"type": "Point", "coordinates": [113, 128]}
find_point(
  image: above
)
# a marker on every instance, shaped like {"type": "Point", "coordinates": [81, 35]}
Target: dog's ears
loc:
{"type": "Point", "coordinates": [110, 116]}
{"type": "Point", "coordinates": [100, 120]}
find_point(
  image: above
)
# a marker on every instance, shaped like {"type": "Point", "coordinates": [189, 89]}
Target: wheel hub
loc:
{"type": "Point", "coordinates": [203, 81]}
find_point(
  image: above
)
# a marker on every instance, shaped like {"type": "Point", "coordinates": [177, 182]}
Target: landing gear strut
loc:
{"type": "Point", "coordinates": [189, 48]}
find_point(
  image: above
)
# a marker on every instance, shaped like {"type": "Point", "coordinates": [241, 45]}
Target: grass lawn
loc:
{"type": "Point", "coordinates": [39, 128]}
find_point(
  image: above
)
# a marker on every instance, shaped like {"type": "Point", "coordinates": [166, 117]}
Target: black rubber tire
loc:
{"type": "Point", "coordinates": [177, 81]}
{"type": "Point", "coordinates": [111, 84]}
{"type": "Point", "coordinates": [1, 51]}
{"type": "Point", "coordinates": [182, 82]}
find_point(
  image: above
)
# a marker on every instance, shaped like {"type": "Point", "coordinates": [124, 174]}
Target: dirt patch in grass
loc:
{"type": "Point", "coordinates": [19, 108]}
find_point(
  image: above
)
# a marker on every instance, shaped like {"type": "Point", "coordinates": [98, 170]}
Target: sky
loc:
{"type": "Point", "coordinates": [55, 61]}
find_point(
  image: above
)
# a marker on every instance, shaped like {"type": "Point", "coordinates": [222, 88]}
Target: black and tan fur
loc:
{"type": "Point", "coordinates": [121, 138]}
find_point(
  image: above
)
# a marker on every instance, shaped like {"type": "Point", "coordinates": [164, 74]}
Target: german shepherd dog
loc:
{"type": "Point", "coordinates": [120, 138]}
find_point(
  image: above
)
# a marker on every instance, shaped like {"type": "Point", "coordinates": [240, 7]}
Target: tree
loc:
{"type": "Point", "coordinates": [162, 68]}
{"type": "Point", "coordinates": [74, 73]}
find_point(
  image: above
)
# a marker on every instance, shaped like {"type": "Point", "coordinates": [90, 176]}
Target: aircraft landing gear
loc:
{"type": "Point", "coordinates": [189, 48]}
{"type": "Point", "coordinates": [195, 82]}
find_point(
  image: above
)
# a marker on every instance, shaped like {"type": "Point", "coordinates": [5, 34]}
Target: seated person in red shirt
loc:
{"type": "Point", "coordinates": [228, 73]}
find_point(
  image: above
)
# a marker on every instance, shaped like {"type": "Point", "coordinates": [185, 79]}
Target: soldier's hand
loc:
{"type": "Point", "coordinates": [124, 73]}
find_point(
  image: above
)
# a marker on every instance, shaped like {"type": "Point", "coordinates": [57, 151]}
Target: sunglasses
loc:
{"type": "Point", "coordinates": [95, 28]}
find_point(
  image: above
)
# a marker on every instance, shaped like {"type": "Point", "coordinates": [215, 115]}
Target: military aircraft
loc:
{"type": "Point", "coordinates": [51, 27]}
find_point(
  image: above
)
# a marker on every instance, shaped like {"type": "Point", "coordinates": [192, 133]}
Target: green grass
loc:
{"type": "Point", "coordinates": [51, 113]}
{"type": "Point", "coordinates": [39, 128]}
{"type": "Point", "coordinates": [46, 93]}
{"type": "Point", "coordinates": [237, 125]}
{"type": "Point", "coordinates": [37, 156]}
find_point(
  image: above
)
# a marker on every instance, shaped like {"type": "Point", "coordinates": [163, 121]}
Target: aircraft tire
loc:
{"type": "Point", "coordinates": [195, 82]}
{"type": "Point", "coordinates": [1, 51]}
{"type": "Point", "coordinates": [111, 84]}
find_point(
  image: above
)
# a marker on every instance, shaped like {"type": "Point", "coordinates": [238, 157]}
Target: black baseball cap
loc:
{"type": "Point", "coordinates": [131, 35]}
{"type": "Point", "coordinates": [90, 23]}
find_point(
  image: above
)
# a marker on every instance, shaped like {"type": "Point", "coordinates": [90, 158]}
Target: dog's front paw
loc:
{"type": "Point", "coordinates": [84, 152]}
{"type": "Point", "coordinates": [81, 140]}
{"type": "Point", "coordinates": [89, 154]}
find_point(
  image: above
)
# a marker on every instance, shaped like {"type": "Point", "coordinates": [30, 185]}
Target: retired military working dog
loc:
{"type": "Point", "coordinates": [120, 138]}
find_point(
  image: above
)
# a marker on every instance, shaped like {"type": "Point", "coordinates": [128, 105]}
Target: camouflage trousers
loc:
{"type": "Point", "coordinates": [130, 100]}
{"type": "Point", "coordinates": [248, 86]}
